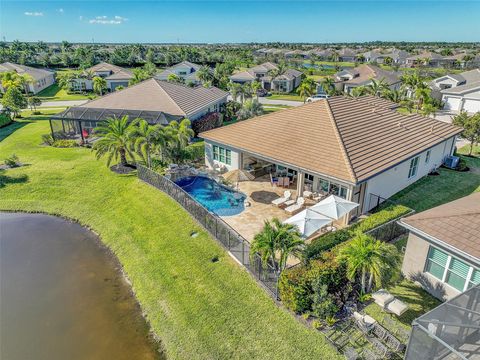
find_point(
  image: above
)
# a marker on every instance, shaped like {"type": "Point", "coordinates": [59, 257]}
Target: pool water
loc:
{"type": "Point", "coordinates": [215, 197]}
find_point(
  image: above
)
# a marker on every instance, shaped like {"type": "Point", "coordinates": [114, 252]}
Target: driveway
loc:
{"type": "Point", "coordinates": [267, 101]}
{"type": "Point", "coordinates": [64, 103]}
{"type": "Point", "coordinates": [445, 115]}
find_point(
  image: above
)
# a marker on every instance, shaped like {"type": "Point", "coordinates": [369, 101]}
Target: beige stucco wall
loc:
{"type": "Point", "coordinates": [210, 163]}
{"type": "Point", "coordinates": [413, 268]}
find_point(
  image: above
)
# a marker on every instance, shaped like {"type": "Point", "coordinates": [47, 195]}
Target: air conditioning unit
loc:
{"type": "Point", "coordinates": [451, 162]}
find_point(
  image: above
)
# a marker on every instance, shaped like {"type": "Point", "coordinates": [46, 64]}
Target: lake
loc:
{"type": "Point", "coordinates": [63, 296]}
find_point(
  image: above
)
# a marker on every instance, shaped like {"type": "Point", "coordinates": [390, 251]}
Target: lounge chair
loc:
{"type": "Point", "coordinates": [296, 207]}
{"type": "Point", "coordinates": [286, 196]}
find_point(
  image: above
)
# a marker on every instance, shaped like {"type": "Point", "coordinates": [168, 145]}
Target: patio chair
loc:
{"type": "Point", "coordinates": [296, 207]}
{"type": "Point", "coordinates": [280, 181]}
{"type": "Point", "coordinates": [273, 180]}
{"type": "Point", "coordinates": [286, 196]}
{"type": "Point", "coordinates": [286, 182]}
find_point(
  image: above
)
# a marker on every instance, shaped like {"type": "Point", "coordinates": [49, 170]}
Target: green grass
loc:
{"type": "Point", "coordinates": [200, 309]}
{"type": "Point", "coordinates": [418, 300]}
{"type": "Point", "coordinates": [450, 185]}
{"type": "Point", "coordinates": [55, 93]}
{"type": "Point", "coordinates": [338, 63]}
{"type": "Point", "coordinates": [289, 97]}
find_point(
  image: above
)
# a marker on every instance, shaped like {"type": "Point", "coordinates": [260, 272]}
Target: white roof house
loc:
{"type": "Point", "coordinates": [459, 92]}
{"type": "Point", "coordinates": [185, 70]}
{"type": "Point", "coordinates": [42, 78]}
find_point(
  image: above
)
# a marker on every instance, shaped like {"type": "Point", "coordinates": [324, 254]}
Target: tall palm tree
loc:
{"type": "Point", "coordinates": [328, 85]}
{"type": "Point", "coordinates": [234, 89]}
{"type": "Point", "coordinates": [204, 74]}
{"type": "Point", "coordinates": [116, 135]}
{"type": "Point", "coordinates": [250, 108]}
{"type": "Point", "coordinates": [276, 72]}
{"type": "Point", "coordinates": [370, 260]}
{"type": "Point", "coordinates": [276, 242]}
{"type": "Point", "coordinates": [307, 88]}
{"type": "Point", "coordinates": [377, 87]}
{"type": "Point", "coordinates": [179, 134]}
{"type": "Point", "coordinates": [255, 86]}
{"type": "Point", "coordinates": [144, 137]}
{"type": "Point", "coordinates": [99, 85]}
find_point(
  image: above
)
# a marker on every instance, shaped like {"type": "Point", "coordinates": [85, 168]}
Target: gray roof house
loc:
{"type": "Point", "coordinates": [458, 92]}
{"type": "Point", "coordinates": [185, 70]}
{"type": "Point", "coordinates": [286, 82]}
{"type": "Point", "coordinates": [114, 75]}
{"type": "Point", "coordinates": [42, 78]}
{"type": "Point", "coordinates": [362, 75]}
{"type": "Point", "coordinates": [156, 101]}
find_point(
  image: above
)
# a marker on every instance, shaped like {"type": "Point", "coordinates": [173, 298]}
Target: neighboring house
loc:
{"type": "Point", "coordinates": [399, 57]}
{"type": "Point", "coordinates": [357, 148]}
{"type": "Point", "coordinates": [443, 249]}
{"type": "Point", "coordinates": [458, 92]}
{"type": "Point", "coordinates": [346, 55]}
{"type": "Point", "coordinates": [41, 78]}
{"type": "Point", "coordinates": [362, 75]}
{"type": "Point", "coordinates": [114, 75]}
{"type": "Point", "coordinates": [158, 102]}
{"type": "Point", "coordinates": [299, 54]}
{"type": "Point", "coordinates": [286, 82]}
{"type": "Point", "coordinates": [322, 54]}
{"type": "Point", "coordinates": [185, 70]}
{"type": "Point", "coordinates": [434, 60]}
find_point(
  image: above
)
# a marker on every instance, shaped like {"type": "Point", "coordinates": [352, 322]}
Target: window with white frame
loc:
{"type": "Point", "coordinates": [413, 167]}
{"type": "Point", "coordinates": [328, 187]}
{"type": "Point", "coordinates": [451, 270]}
{"type": "Point", "coordinates": [222, 155]}
{"type": "Point", "coordinates": [427, 157]}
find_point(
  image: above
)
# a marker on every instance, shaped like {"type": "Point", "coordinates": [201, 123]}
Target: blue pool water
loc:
{"type": "Point", "coordinates": [215, 197]}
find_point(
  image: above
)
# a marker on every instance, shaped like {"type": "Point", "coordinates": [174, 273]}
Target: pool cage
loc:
{"type": "Point", "coordinates": [80, 122]}
{"type": "Point", "coordinates": [451, 331]}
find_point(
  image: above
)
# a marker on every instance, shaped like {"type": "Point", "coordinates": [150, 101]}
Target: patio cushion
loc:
{"type": "Point", "coordinates": [397, 307]}
{"type": "Point", "coordinates": [382, 297]}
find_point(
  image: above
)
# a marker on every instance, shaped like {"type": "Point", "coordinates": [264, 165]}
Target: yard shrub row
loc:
{"type": "Point", "coordinates": [330, 240]}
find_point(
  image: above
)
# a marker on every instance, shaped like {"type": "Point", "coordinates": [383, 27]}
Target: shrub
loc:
{"type": "Point", "coordinates": [323, 304]}
{"type": "Point", "coordinates": [63, 143]}
{"type": "Point", "coordinates": [12, 161]}
{"type": "Point", "coordinates": [330, 240]}
{"type": "Point", "coordinates": [207, 122]}
{"type": "Point", "coordinates": [196, 151]}
{"type": "Point", "coordinates": [297, 285]}
{"type": "Point", "coordinates": [317, 324]}
{"type": "Point", "coordinates": [5, 119]}
{"type": "Point", "coordinates": [47, 139]}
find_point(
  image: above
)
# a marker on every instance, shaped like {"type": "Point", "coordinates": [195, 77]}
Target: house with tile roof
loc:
{"type": "Point", "coordinates": [458, 92]}
{"type": "Point", "coordinates": [42, 78]}
{"type": "Point", "coordinates": [362, 75]}
{"type": "Point", "coordinates": [443, 248]}
{"type": "Point", "coordinates": [286, 82]}
{"type": "Point", "coordinates": [114, 75]}
{"type": "Point", "coordinates": [185, 70]}
{"type": "Point", "coordinates": [357, 148]}
{"type": "Point", "coordinates": [156, 101]}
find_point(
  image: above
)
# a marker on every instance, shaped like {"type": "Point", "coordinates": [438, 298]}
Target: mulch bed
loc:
{"type": "Point", "coordinates": [123, 169]}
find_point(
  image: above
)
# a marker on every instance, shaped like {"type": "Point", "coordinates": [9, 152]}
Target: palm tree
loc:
{"type": "Point", "coordinates": [276, 242]}
{"type": "Point", "coordinates": [428, 109]}
{"type": "Point", "coordinates": [99, 85]}
{"type": "Point", "coordinates": [328, 85]}
{"type": "Point", "coordinates": [178, 135]}
{"type": "Point", "coordinates": [234, 89]}
{"type": "Point", "coordinates": [307, 88]}
{"type": "Point", "coordinates": [377, 87]}
{"type": "Point", "coordinates": [395, 95]}
{"type": "Point", "coordinates": [116, 135]}
{"type": "Point", "coordinates": [274, 73]}
{"type": "Point", "coordinates": [255, 86]}
{"type": "Point", "coordinates": [138, 75]}
{"type": "Point", "coordinates": [250, 108]}
{"type": "Point", "coordinates": [359, 91]}
{"type": "Point", "coordinates": [204, 74]}
{"type": "Point", "coordinates": [174, 78]}
{"type": "Point", "coordinates": [369, 259]}
{"type": "Point", "coordinates": [144, 138]}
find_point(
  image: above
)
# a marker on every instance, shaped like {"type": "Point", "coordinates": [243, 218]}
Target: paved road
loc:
{"type": "Point", "coordinates": [66, 103]}
{"type": "Point", "coordinates": [267, 101]}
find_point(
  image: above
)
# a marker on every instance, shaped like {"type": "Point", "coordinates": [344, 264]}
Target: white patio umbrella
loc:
{"type": "Point", "coordinates": [308, 221]}
{"type": "Point", "coordinates": [334, 207]}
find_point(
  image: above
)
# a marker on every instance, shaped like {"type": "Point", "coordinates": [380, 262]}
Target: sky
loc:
{"type": "Point", "coordinates": [224, 21]}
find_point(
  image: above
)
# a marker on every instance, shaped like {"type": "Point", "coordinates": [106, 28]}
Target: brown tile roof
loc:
{"type": "Point", "coordinates": [351, 139]}
{"type": "Point", "coordinates": [456, 223]}
{"type": "Point", "coordinates": [103, 66]}
{"type": "Point", "coordinates": [365, 73]}
{"type": "Point", "coordinates": [156, 95]}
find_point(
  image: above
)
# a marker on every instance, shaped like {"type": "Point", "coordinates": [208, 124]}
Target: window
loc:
{"type": "Point", "coordinates": [457, 274]}
{"type": "Point", "coordinates": [222, 155]}
{"type": "Point", "coordinates": [413, 167]}
{"type": "Point", "coordinates": [308, 178]}
{"type": "Point", "coordinates": [427, 158]}
{"type": "Point", "coordinates": [436, 262]}
{"type": "Point", "coordinates": [451, 270]}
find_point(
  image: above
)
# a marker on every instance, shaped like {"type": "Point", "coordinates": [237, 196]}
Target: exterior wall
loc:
{"type": "Point", "coordinates": [469, 102]}
{"type": "Point", "coordinates": [414, 265]}
{"type": "Point", "coordinates": [395, 179]}
{"type": "Point", "coordinates": [112, 84]}
{"type": "Point", "coordinates": [211, 164]}
{"type": "Point", "coordinates": [78, 84]}
{"type": "Point", "coordinates": [41, 84]}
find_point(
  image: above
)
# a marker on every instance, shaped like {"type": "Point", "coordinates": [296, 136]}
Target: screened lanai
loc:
{"type": "Point", "coordinates": [451, 331]}
{"type": "Point", "coordinates": [80, 122]}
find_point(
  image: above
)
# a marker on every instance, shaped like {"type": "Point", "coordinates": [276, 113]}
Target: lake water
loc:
{"type": "Point", "coordinates": [62, 295]}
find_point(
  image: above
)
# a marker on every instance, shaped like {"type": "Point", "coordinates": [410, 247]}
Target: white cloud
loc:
{"type": "Point", "coordinates": [105, 20]}
{"type": "Point", "coordinates": [80, 17]}
{"type": "Point", "coordinates": [61, 11]}
{"type": "Point", "coordinates": [33, 13]}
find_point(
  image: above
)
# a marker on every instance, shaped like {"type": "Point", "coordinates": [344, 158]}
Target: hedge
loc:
{"type": "Point", "coordinates": [5, 119]}
{"type": "Point", "coordinates": [332, 239]}
{"type": "Point", "coordinates": [196, 151]}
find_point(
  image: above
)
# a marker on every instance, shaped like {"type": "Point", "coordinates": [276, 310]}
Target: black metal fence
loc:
{"type": "Point", "coordinates": [219, 229]}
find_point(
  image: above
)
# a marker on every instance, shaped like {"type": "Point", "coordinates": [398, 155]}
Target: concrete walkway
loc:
{"type": "Point", "coordinates": [63, 103]}
{"type": "Point", "coordinates": [267, 101]}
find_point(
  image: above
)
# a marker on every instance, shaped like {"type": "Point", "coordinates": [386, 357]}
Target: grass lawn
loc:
{"type": "Point", "coordinates": [200, 309]}
{"type": "Point", "coordinates": [55, 93]}
{"type": "Point", "coordinates": [290, 97]}
{"type": "Point", "coordinates": [418, 300]}
{"type": "Point", "coordinates": [316, 77]}
{"type": "Point", "coordinates": [432, 191]}
{"type": "Point", "coordinates": [338, 63]}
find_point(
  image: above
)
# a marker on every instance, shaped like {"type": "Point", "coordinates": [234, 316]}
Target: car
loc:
{"type": "Point", "coordinates": [317, 97]}
{"type": "Point", "coordinates": [262, 92]}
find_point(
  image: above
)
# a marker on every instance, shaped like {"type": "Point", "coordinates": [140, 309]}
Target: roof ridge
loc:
{"type": "Point", "coordinates": [340, 140]}
{"type": "Point", "coordinates": [468, 213]}
{"type": "Point", "coordinates": [158, 82]}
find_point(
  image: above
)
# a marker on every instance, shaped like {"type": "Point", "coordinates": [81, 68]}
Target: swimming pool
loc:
{"type": "Point", "coordinates": [215, 197]}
